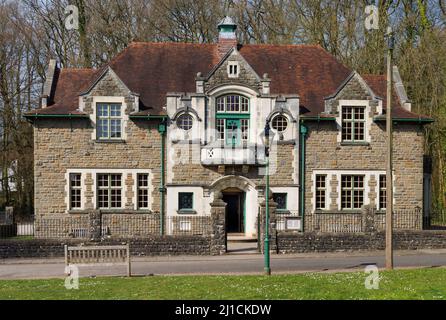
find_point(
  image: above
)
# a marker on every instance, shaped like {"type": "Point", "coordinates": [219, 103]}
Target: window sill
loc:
{"type": "Point", "coordinates": [364, 143]}
{"type": "Point", "coordinates": [186, 211]}
{"type": "Point", "coordinates": [109, 141]}
{"type": "Point", "coordinates": [282, 211]}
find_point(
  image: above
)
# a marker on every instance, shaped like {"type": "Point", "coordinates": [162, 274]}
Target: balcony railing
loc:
{"type": "Point", "coordinates": [220, 154]}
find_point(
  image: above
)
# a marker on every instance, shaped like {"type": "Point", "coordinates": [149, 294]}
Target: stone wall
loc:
{"type": "Point", "coordinates": [282, 171]}
{"type": "Point", "coordinates": [64, 144]}
{"type": "Point", "coordinates": [323, 152]}
{"type": "Point", "coordinates": [167, 245]}
{"type": "Point", "coordinates": [316, 242]}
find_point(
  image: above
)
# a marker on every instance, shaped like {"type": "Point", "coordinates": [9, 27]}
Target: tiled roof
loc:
{"type": "Point", "coordinates": [154, 69]}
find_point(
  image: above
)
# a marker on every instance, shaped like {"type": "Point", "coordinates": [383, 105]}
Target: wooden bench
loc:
{"type": "Point", "coordinates": [98, 255]}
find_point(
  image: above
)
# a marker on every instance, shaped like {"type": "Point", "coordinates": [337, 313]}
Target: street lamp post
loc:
{"type": "Point", "coordinates": [389, 180]}
{"type": "Point", "coordinates": [266, 243]}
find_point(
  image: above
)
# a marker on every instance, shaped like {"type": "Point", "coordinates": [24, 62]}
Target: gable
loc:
{"type": "Point", "coordinates": [246, 75]}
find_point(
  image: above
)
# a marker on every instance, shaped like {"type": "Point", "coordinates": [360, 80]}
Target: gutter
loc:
{"type": "Point", "coordinates": [303, 134]}
{"type": "Point", "coordinates": [149, 117]}
{"type": "Point", "coordinates": [317, 118]}
{"type": "Point", "coordinates": [69, 116]}
{"type": "Point", "coordinates": [414, 120]}
{"type": "Point", "coordinates": [162, 128]}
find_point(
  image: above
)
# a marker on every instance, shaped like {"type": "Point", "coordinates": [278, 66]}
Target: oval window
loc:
{"type": "Point", "coordinates": [185, 122]}
{"type": "Point", "coordinates": [280, 123]}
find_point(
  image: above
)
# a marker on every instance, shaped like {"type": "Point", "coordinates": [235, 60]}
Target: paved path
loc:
{"type": "Point", "coordinates": [236, 264]}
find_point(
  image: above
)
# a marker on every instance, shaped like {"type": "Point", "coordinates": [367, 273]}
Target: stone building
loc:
{"type": "Point", "coordinates": [166, 130]}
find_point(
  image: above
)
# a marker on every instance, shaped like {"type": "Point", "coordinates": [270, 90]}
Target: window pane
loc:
{"type": "Point", "coordinates": [382, 192]}
{"type": "Point", "coordinates": [143, 190]}
{"type": "Point", "coordinates": [115, 110]}
{"type": "Point", "coordinates": [221, 129]}
{"type": "Point", "coordinates": [245, 129]}
{"type": "Point", "coordinates": [280, 199]}
{"type": "Point", "coordinates": [185, 200]}
{"type": "Point", "coordinates": [320, 191]}
{"type": "Point", "coordinates": [244, 104]}
{"type": "Point", "coordinates": [280, 123]}
{"type": "Point", "coordinates": [185, 122]}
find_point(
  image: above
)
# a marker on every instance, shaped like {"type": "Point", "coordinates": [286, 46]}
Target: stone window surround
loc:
{"type": "Point", "coordinates": [124, 115]}
{"type": "Point", "coordinates": [238, 90]}
{"type": "Point", "coordinates": [329, 188]}
{"type": "Point", "coordinates": [368, 119]}
{"type": "Point", "coordinates": [94, 172]}
{"type": "Point", "coordinates": [233, 64]}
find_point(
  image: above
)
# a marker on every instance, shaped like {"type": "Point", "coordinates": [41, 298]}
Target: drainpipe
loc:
{"type": "Point", "coordinates": [303, 133]}
{"type": "Point", "coordinates": [162, 189]}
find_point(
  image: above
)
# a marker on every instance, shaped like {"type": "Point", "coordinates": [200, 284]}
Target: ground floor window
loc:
{"type": "Point", "coordinates": [281, 200]}
{"type": "Point", "coordinates": [75, 191]}
{"type": "Point", "coordinates": [143, 191]}
{"type": "Point", "coordinates": [382, 191]}
{"type": "Point", "coordinates": [320, 191]}
{"type": "Point", "coordinates": [185, 201]}
{"type": "Point", "coordinates": [352, 191]}
{"type": "Point", "coordinates": [109, 191]}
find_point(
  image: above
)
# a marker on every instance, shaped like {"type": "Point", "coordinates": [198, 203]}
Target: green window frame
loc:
{"type": "Point", "coordinates": [353, 124]}
{"type": "Point", "coordinates": [108, 121]}
{"type": "Point", "coordinates": [232, 119]}
{"type": "Point", "coordinates": [185, 201]}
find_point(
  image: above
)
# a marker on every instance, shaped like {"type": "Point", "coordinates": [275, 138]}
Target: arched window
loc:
{"type": "Point", "coordinates": [279, 123]}
{"type": "Point", "coordinates": [233, 103]}
{"type": "Point", "coordinates": [232, 119]}
{"type": "Point", "coordinates": [185, 122]}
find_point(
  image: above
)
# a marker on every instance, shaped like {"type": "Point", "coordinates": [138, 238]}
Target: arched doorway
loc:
{"type": "Point", "coordinates": [235, 210]}
{"type": "Point", "coordinates": [241, 212]}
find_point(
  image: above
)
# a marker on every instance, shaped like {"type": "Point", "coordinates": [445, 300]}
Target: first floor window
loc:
{"type": "Point", "coordinates": [185, 122]}
{"type": "Point", "coordinates": [352, 191]}
{"type": "Point", "coordinates": [244, 124]}
{"type": "Point", "coordinates": [109, 191]}
{"type": "Point", "coordinates": [109, 121]}
{"type": "Point", "coordinates": [382, 191]}
{"type": "Point", "coordinates": [75, 191]}
{"type": "Point", "coordinates": [221, 129]}
{"type": "Point", "coordinates": [279, 123]}
{"type": "Point", "coordinates": [353, 124]}
{"type": "Point", "coordinates": [280, 199]}
{"type": "Point", "coordinates": [320, 191]}
{"type": "Point", "coordinates": [143, 191]}
{"type": "Point", "coordinates": [185, 200]}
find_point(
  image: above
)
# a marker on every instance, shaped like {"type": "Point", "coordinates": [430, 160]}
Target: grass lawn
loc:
{"type": "Point", "coordinates": [399, 284]}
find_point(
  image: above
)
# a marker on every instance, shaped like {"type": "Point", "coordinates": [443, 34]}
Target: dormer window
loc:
{"type": "Point", "coordinates": [353, 124]}
{"type": "Point", "coordinates": [109, 121]}
{"type": "Point", "coordinates": [233, 69]}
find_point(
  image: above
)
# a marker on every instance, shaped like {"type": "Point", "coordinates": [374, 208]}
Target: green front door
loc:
{"type": "Point", "coordinates": [233, 132]}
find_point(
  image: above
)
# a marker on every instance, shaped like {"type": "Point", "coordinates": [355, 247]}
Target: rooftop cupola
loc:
{"type": "Point", "coordinates": [227, 38]}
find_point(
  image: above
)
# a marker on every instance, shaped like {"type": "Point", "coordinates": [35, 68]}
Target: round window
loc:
{"type": "Point", "coordinates": [280, 123]}
{"type": "Point", "coordinates": [185, 122]}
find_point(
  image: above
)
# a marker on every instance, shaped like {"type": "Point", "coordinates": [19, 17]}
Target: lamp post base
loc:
{"type": "Point", "coordinates": [267, 271]}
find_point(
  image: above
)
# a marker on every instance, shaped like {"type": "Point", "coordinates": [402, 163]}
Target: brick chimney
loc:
{"type": "Point", "coordinates": [227, 38]}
